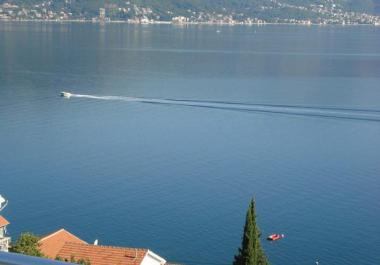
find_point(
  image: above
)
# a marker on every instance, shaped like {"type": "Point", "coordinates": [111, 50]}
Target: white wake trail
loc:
{"type": "Point", "coordinates": [326, 112]}
{"type": "Point", "coordinates": [103, 97]}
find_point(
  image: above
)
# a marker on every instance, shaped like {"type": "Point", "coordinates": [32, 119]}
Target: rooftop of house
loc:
{"type": "Point", "coordinates": [101, 255]}
{"type": "Point", "coordinates": [3, 221]}
{"type": "Point", "coordinates": [51, 244]}
{"type": "Point", "coordinates": [66, 246]}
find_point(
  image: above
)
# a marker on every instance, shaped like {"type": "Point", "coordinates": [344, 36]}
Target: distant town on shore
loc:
{"type": "Point", "coordinates": [323, 12]}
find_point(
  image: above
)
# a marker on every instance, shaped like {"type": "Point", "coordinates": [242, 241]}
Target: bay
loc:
{"type": "Point", "coordinates": [177, 179]}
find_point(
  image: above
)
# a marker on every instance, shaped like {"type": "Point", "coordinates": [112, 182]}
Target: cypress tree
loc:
{"type": "Point", "coordinates": [251, 252]}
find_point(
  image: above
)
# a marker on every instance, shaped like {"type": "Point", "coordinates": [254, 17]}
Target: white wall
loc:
{"type": "Point", "coordinates": [152, 259]}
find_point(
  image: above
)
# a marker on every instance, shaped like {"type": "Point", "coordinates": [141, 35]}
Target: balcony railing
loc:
{"type": "Point", "coordinates": [17, 259]}
{"type": "Point", "coordinates": [4, 243]}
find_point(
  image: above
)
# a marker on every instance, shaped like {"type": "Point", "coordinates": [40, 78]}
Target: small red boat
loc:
{"type": "Point", "coordinates": [275, 237]}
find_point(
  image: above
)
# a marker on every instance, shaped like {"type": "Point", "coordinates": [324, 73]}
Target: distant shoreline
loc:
{"type": "Point", "coordinates": [180, 24]}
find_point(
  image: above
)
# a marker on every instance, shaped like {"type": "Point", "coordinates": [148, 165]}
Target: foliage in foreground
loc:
{"type": "Point", "coordinates": [27, 244]}
{"type": "Point", "coordinates": [73, 260]}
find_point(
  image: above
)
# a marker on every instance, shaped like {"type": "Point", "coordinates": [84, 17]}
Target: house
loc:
{"type": "Point", "coordinates": [51, 245]}
{"type": "Point", "coordinates": [66, 246]}
{"type": "Point", "coordinates": [4, 240]}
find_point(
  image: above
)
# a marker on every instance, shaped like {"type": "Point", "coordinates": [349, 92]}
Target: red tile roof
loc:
{"type": "Point", "coordinates": [3, 221]}
{"type": "Point", "coordinates": [51, 244]}
{"type": "Point", "coordinates": [102, 255]}
{"type": "Point", "coordinates": [66, 246]}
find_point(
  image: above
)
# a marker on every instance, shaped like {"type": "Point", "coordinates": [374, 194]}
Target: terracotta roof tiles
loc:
{"type": "Point", "coordinates": [102, 255]}
{"type": "Point", "coordinates": [51, 244]}
{"type": "Point", "coordinates": [67, 246]}
{"type": "Point", "coordinates": [3, 221]}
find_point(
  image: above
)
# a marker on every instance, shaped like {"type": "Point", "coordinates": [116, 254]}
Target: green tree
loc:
{"type": "Point", "coordinates": [83, 262]}
{"type": "Point", "coordinates": [27, 244]}
{"type": "Point", "coordinates": [72, 260]}
{"type": "Point", "coordinates": [251, 252]}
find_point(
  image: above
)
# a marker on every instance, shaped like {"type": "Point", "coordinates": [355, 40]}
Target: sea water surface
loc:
{"type": "Point", "coordinates": [173, 129]}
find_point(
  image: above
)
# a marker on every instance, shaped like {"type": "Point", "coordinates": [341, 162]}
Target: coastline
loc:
{"type": "Point", "coordinates": [210, 23]}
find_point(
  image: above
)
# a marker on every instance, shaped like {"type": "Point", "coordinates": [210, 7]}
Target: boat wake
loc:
{"type": "Point", "coordinates": [311, 111]}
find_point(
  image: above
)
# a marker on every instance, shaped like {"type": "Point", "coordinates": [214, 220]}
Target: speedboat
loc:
{"type": "Point", "coordinates": [275, 237]}
{"type": "Point", "coordinates": [66, 94]}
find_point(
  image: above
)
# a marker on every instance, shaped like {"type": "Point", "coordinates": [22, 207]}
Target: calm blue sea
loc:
{"type": "Point", "coordinates": [287, 114]}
